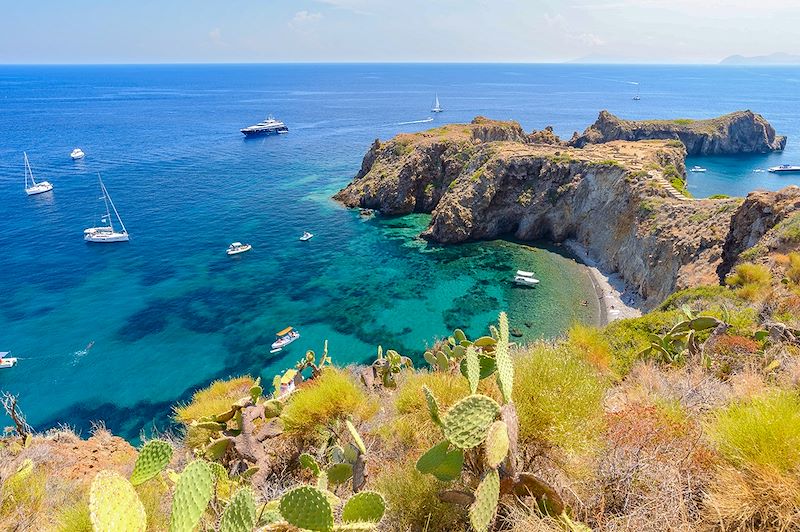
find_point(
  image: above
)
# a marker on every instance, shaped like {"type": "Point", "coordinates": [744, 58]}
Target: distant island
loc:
{"type": "Point", "coordinates": [778, 58]}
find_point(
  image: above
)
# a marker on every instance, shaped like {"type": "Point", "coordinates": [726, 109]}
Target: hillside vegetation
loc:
{"type": "Point", "coordinates": [687, 418]}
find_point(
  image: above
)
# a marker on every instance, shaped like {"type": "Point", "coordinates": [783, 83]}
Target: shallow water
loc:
{"type": "Point", "coordinates": [169, 311]}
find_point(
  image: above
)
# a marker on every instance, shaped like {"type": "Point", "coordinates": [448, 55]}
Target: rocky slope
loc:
{"type": "Point", "coordinates": [739, 132]}
{"type": "Point", "coordinates": [488, 179]}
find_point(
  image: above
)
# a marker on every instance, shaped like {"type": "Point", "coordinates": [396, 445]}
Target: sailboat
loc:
{"type": "Point", "coordinates": [436, 107]}
{"type": "Point", "coordinates": [637, 96]}
{"type": "Point", "coordinates": [34, 188]}
{"type": "Point", "coordinates": [106, 233]}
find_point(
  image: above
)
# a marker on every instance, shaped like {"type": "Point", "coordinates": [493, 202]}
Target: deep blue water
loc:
{"type": "Point", "coordinates": [169, 311]}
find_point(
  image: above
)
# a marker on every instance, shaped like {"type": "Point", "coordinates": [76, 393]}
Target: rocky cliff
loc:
{"type": "Point", "coordinates": [739, 132]}
{"type": "Point", "coordinates": [488, 179]}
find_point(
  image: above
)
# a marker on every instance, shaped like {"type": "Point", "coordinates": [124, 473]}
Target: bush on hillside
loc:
{"type": "Point", "coordinates": [592, 345]}
{"type": "Point", "coordinates": [558, 397]}
{"type": "Point", "coordinates": [334, 395]}
{"type": "Point", "coordinates": [751, 280]}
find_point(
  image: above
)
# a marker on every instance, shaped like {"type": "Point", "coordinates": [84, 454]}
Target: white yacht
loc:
{"type": "Point", "coordinates": [76, 154]}
{"type": "Point", "coordinates": [436, 107]}
{"type": "Point", "coordinates": [284, 338]}
{"type": "Point", "coordinates": [697, 169]}
{"type": "Point", "coordinates": [7, 361]}
{"type": "Point", "coordinates": [107, 233]}
{"type": "Point", "coordinates": [784, 168]}
{"type": "Point", "coordinates": [31, 186]}
{"type": "Point", "coordinates": [525, 278]}
{"type": "Point", "coordinates": [306, 236]}
{"type": "Point", "coordinates": [268, 127]}
{"type": "Point", "coordinates": [238, 247]}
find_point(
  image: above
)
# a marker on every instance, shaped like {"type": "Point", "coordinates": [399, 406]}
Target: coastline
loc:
{"type": "Point", "coordinates": [616, 300]}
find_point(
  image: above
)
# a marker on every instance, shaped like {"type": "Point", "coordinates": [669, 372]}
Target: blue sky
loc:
{"type": "Point", "coordinates": [168, 31]}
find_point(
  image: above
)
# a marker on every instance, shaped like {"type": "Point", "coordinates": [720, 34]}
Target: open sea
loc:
{"type": "Point", "coordinates": [168, 312]}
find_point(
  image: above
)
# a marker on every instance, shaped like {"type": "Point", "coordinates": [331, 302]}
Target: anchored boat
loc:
{"type": "Point", "coordinates": [31, 186]}
{"type": "Point", "coordinates": [284, 338]}
{"type": "Point", "coordinates": [698, 169]}
{"type": "Point", "coordinates": [524, 278]}
{"type": "Point", "coordinates": [784, 169]}
{"type": "Point", "coordinates": [76, 154]}
{"type": "Point", "coordinates": [106, 233]}
{"type": "Point", "coordinates": [238, 247]}
{"type": "Point", "coordinates": [306, 236]}
{"type": "Point", "coordinates": [268, 127]}
{"type": "Point", "coordinates": [436, 107]}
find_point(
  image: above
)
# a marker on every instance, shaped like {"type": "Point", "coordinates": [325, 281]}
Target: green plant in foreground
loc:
{"type": "Point", "coordinates": [681, 339]}
{"type": "Point", "coordinates": [449, 355]}
{"type": "Point", "coordinates": [385, 368]}
{"type": "Point", "coordinates": [479, 431]}
{"type": "Point", "coordinates": [312, 508]}
{"type": "Point", "coordinates": [345, 460]}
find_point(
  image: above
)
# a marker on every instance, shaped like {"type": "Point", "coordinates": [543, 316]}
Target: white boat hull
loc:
{"type": "Point", "coordinates": [104, 236]}
{"type": "Point", "coordinates": [525, 281]}
{"type": "Point", "coordinates": [282, 342]}
{"type": "Point", "coordinates": [237, 251]}
{"type": "Point", "coordinates": [9, 362]}
{"type": "Point", "coordinates": [39, 188]}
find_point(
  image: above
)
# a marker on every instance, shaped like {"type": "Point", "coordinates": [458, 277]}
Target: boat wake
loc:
{"type": "Point", "coordinates": [429, 119]}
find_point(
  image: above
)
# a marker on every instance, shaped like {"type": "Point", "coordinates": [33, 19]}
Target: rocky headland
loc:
{"type": "Point", "coordinates": [739, 132]}
{"type": "Point", "coordinates": [623, 200]}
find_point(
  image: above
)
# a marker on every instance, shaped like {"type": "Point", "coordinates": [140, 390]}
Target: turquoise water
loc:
{"type": "Point", "coordinates": [169, 312]}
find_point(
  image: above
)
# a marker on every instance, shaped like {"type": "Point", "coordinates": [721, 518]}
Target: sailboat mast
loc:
{"type": "Point", "coordinates": [108, 197]}
{"type": "Point", "coordinates": [28, 171]}
{"type": "Point", "coordinates": [105, 200]}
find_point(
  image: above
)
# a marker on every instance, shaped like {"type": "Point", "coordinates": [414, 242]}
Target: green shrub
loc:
{"type": "Point", "coordinates": [214, 399]}
{"type": "Point", "coordinates": [558, 397]}
{"type": "Point", "coordinates": [699, 297]}
{"type": "Point", "coordinates": [763, 431]}
{"type": "Point", "coordinates": [793, 268]}
{"type": "Point", "coordinates": [629, 337]}
{"type": "Point", "coordinates": [413, 502]}
{"type": "Point", "coordinates": [74, 518]}
{"type": "Point", "coordinates": [683, 121]}
{"type": "Point", "coordinates": [592, 345]}
{"type": "Point", "coordinates": [788, 231]}
{"type": "Point", "coordinates": [674, 143]}
{"type": "Point", "coordinates": [331, 396]}
{"type": "Point", "coordinates": [718, 196]}
{"type": "Point", "coordinates": [751, 279]}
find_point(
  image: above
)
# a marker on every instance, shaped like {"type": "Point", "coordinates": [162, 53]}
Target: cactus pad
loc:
{"type": "Point", "coordinates": [473, 369]}
{"type": "Point", "coordinates": [505, 366]}
{"type": "Point", "coordinates": [483, 510]}
{"type": "Point", "coordinates": [359, 443]}
{"type": "Point", "coordinates": [309, 462]}
{"type": "Point", "coordinates": [442, 362]}
{"type": "Point", "coordinates": [443, 464]}
{"type": "Point", "coordinates": [216, 448]}
{"type": "Point", "coordinates": [270, 513]}
{"type": "Point", "coordinates": [468, 421]}
{"type": "Point", "coordinates": [240, 514]}
{"type": "Point", "coordinates": [152, 459]}
{"type": "Point", "coordinates": [340, 473]}
{"type": "Point", "coordinates": [272, 408]}
{"type": "Point", "coordinates": [307, 507]}
{"type": "Point", "coordinates": [433, 405]}
{"type": "Point", "coordinates": [114, 505]}
{"type": "Point", "coordinates": [496, 444]}
{"type": "Point", "coordinates": [366, 506]}
{"type": "Point", "coordinates": [192, 494]}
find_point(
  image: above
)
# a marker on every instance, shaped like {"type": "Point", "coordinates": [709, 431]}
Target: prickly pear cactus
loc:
{"type": "Point", "coordinates": [496, 444]}
{"type": "Point", "coordinates": [216, 448]}
{"type": "Point", "coordinates": [256, 390]}
{"type": "Point", "coordinates": [433, 405]}
{"type": "Point", "coordinates": [272, 408]}
{"type": "Point", "coordinates": [307, 507]}
{"type": "Point", "coordinates": [366, 506]}
{"type": "Point", "coordinates": [309, 462]}
{"type": "Point", "coordinates": [340, 473]}
{"type": "Point", "coordinates": [505, 366]}
{"type": "Point", "coordinates": [482, 511]}
{"type": "Point", "coordinates": [192, 495]}
{"type": "Point", "coordinates": [441, 462]}
{"type": "Point", "coordinates": [114, 505]}
{"type": "Point", "coordinates": [359, 443]}
{"type": "Point", "coordinates": [152, 459]}
{"type": "Point", "coordinates": [473, 369]}
{"type": "Point", "coordinates": [467, 422]}
{"type": "Point", "coordinates": [240, 514]}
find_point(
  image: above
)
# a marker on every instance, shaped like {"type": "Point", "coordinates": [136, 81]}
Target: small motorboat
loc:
{"type": "Point", "coordinates": [698, 169]}
{"type": "Point", "coordinates": [7, 361]}
{"type": "Point", "coordinates": [524, 278]}
{"type": "Point", "coordinates": [238, 247]}
{"type": "Point", "coordinates": [784, 168]}
{"type": "Point", "coordinates": [306, 236]}
{"type": "Point", "coordinates": [76, 154]}
{"type": "Point", "coordinates": [284, 338]}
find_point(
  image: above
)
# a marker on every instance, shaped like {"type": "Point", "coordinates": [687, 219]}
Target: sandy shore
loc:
{"type": "Point", "coordinates": [616, 300]}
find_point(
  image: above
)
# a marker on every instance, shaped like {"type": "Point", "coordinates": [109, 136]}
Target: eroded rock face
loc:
{"type": "Point", "coordinates": [613, 197]}
{"type": "Point", "coordinates": [739, 132]}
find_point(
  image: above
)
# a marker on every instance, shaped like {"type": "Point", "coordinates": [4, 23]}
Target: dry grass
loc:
{"type": "Point", "coordinates": [332, 396]}
{"type": "Point", "coordinates": [215, 399]}
{"type": "Point", "coordinates": [592, 345]}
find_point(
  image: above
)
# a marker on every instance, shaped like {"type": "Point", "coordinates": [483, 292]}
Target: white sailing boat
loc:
{"type": "Point", "coordinates": [436, 107]}
{"type": "Point", "coordinates": [106, 233]}
{"type": "Point", "coordinates": [31, 186]}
